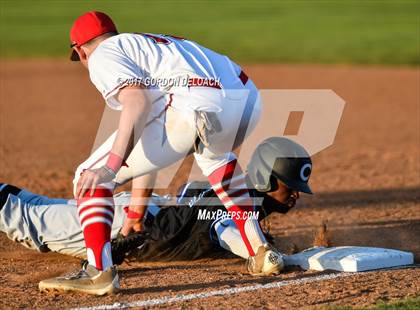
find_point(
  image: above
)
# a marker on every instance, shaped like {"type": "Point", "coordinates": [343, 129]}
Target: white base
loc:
{"type": "Point", "coordinates": [349, 258]}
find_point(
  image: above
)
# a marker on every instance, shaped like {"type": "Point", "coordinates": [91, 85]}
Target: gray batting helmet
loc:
{"type": "Point", "coordinates": [283, 159]}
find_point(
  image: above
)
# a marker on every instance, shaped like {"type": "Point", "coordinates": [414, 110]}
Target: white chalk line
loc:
{"type": "Point", "coordinates": [224, 292]}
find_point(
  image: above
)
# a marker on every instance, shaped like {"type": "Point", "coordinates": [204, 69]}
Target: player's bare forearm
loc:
{"type": "Point", "coordinates": [135, 111]}
{"type": "Point", "coordinates": [142, 188]}
{"type": "Point", "coordinates": [136, 108]}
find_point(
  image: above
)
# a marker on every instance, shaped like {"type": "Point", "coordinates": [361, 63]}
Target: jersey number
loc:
{"type": "Point", "coordinates": [164, 39]}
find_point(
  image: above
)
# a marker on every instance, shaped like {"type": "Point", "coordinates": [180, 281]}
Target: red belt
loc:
{"type": "Point", "coordinates": [200, 82]}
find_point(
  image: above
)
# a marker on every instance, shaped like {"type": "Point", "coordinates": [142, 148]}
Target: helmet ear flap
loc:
{"type": "Point", "coordinates": [260, 177]}
{"type": "Point", "coordinates": [262, 183]}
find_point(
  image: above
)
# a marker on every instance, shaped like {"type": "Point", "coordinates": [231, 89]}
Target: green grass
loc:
{"type": "Point", "coordinates": [407, 304]}
{"type": "Point", "coordinates": [366, 32]}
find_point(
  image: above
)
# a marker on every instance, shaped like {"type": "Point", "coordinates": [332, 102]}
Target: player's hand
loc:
{"type": "Point", "coordinates": [131, 225]}
{"type": "Point", "coordinates": [90, 179]}
{"type": "Point", "coordinates": [291, 201]}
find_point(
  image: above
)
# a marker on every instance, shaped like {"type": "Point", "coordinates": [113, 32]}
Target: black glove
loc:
{"type": "Point", "coordinates": [121, 246]}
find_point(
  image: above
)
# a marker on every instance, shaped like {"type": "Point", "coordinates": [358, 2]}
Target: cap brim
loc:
{"type": "Point", "coordinates": [304, 188]}
{"type": "Point", "coordinates": [74, 56]}
{"type": "Point", "coordinates": [299, 186]}
{"type": "Point", "coordinates": [295, 185]}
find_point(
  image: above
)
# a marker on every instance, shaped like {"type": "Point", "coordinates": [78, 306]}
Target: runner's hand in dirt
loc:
{"type": "Point", "coordinates": [291, 201]}
{"type": "Point", "coordinates": [91, 178]}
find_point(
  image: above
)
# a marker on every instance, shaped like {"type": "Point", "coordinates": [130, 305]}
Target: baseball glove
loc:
{"type": "Point", "coordinates": [121, 246]}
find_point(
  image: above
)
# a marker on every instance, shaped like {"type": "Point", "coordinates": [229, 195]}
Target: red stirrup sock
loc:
{"type": "Point", "coordinates": [233, 192]}
{"type": "Point", "coordinates": [96, 214]}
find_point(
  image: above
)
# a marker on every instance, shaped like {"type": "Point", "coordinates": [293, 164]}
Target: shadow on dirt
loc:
{"type": "Point", "coordinates": [222, 283]}
{"type": "Point", "coordinates": [180, 266]}
{"type": "Point", "coordinates": [365, 198]}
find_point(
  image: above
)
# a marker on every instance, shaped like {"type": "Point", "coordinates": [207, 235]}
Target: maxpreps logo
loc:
{"type": "Point", "coordinates": [205, 215]}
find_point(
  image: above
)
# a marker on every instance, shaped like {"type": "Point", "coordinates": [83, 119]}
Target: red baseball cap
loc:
{"type": "Point", "coordinates": [87, 27]}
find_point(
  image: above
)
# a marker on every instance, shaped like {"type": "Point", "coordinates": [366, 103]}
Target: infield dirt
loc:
{"type": "Point", "coordinates": [366, 184]}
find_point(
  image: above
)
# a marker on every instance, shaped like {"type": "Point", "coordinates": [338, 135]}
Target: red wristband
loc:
{"type": "Point", "coordinates": [134, 215]}
{"type": "Point", "coordinates": [114, 162]}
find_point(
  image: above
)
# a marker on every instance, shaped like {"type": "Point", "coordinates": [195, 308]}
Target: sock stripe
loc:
{"type": "Point", "coordinates": [91, 211]}
{"type": "Point", "coordinates": [96, 219]}
{"type": "Point", "coordinates": [87, 208]}
{"type": "Point", "coordinates": [235, 192]}
{"type": "Point", "coordinates": [229, 202]}
{"type": "Point", "coordinates": [239, 184]}
{"type": "Point", "coordinates": [97, 214]}
{"type": "Point", "coordinates": [232, 182]}
{"type": "Point", "coordinates": [95, 201]}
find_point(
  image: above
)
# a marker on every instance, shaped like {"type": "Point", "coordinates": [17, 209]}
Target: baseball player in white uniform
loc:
{"type": "Point", "coordinates": [175, 97]}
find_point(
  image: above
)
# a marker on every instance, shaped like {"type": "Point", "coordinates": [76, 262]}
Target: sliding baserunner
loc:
{"type": "Point", "coordinates": [193, 227]}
